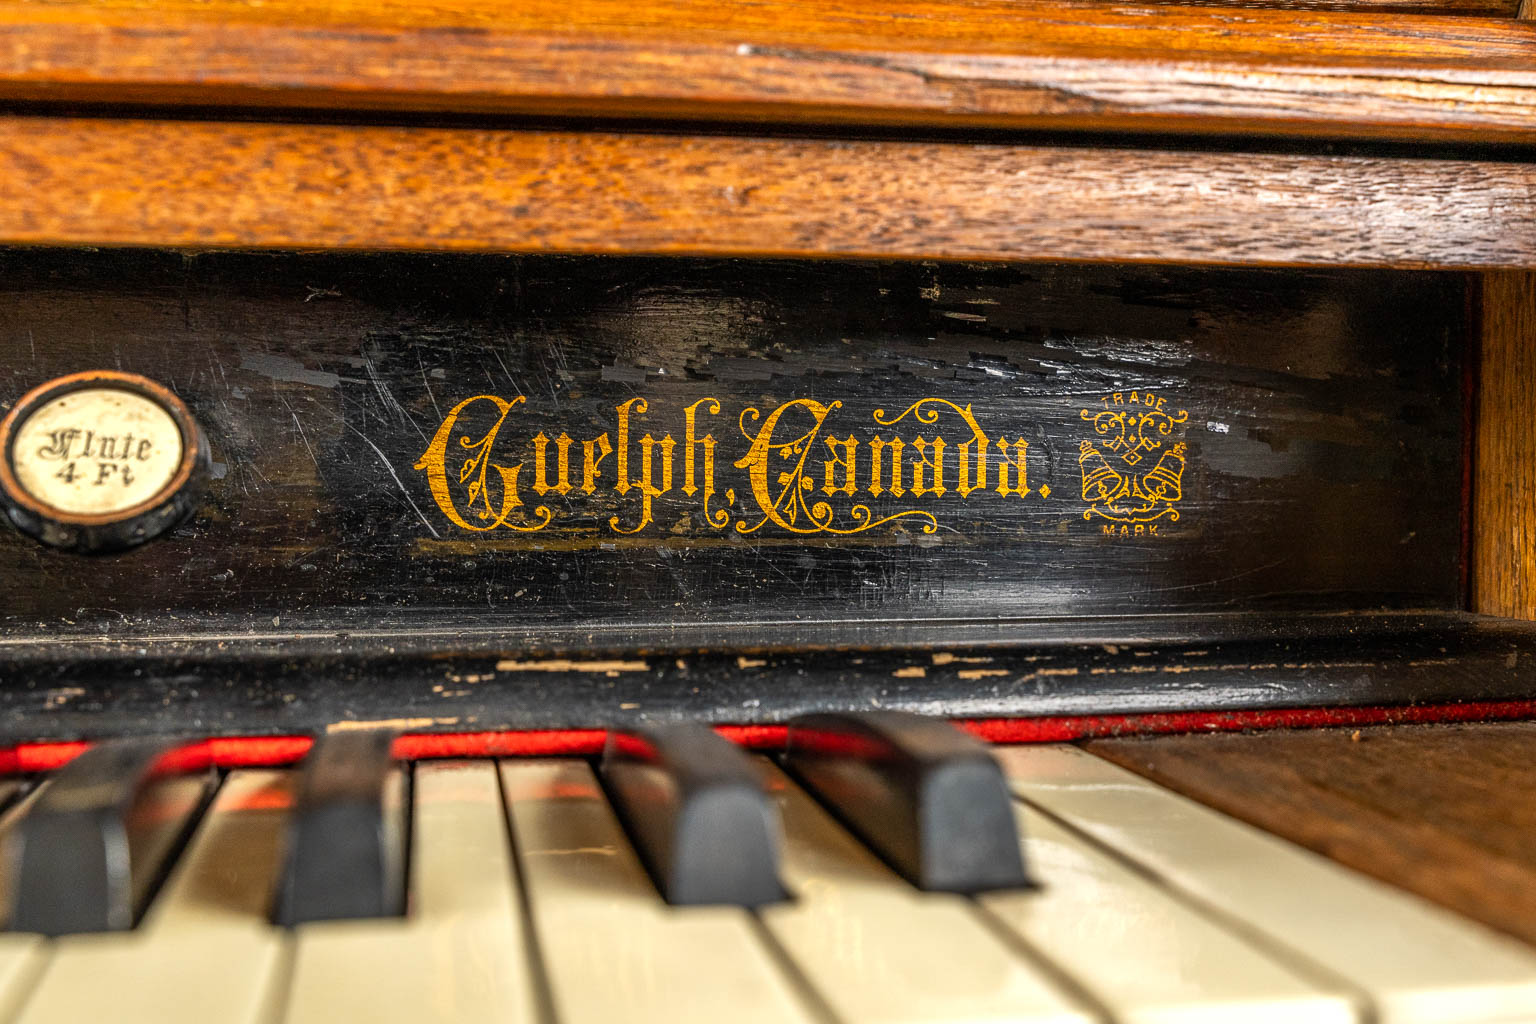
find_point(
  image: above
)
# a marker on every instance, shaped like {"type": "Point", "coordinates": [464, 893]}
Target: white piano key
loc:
{"type": "Point", "coordinates": [460, 954]}
{"type": "Point", "coordinates": [1144, 954]}
{"type": "Point", "coordinates": [1416, 962]}
{"type": "Point", "coordinates": [204, 952]}
{"type": "Point", "coordinates": [22, 960]}
{"type": "Point", "coordinates": [611, 948]}
{"type": "Point", "coordinates": [14, 814]}
{"type": "Point", "coordinates": [876, 949]}
{"type": "Point", "coordinates": [22, 957]}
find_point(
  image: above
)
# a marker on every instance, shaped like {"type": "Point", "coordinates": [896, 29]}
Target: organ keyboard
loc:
{"type": "Point", "coordinates": [527, 900]}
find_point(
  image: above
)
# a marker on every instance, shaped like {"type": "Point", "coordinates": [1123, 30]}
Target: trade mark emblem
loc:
{"type": "Point", "coordinates": [1133, 466]}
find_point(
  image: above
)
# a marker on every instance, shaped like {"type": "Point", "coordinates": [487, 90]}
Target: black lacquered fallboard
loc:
{"type": "Point", "coordinates": [502, 491]}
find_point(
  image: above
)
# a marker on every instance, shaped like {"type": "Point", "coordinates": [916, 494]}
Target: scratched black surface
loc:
{"type": "Point", "coordinates": [281, 684]}
{"type": "Point", "coordinates": [1323, 440]}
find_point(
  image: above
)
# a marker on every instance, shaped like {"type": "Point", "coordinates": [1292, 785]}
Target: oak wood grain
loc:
{"type": "Point", "coordinates": [181, 183]}
{"type": "Point", "coordinates": [1504, 459]}
{"type": "Point", "coordinates": [1443, 811]}
{"type": "Point", "coordinates": [1059, 64]}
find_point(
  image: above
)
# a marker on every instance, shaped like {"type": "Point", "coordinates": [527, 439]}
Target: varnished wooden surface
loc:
{"type": "Point", "coordinates": [1045, 64]}
{"type": "Point", "coordinates": [1504, 458]}
{"type": "Point", "coordinates": [175, 183]}
{"type": "Point", "coordinates": [1444, 811]}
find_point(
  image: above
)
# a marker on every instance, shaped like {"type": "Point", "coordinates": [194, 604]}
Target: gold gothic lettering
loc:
{"type": "Point", "coordinates": [797, 475]}
{"type": "Point", "coordinates": [472, 473]}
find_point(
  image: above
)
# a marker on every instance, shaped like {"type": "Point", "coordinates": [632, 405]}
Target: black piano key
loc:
{"type": "Point", "coordinates": [697, 812]}
{"type": "Point", "coordinates": [923, 794]}
{"type": "Point", "coordinates": [87, 849]}
{"type": "Point", "coordinates": [346, 840]}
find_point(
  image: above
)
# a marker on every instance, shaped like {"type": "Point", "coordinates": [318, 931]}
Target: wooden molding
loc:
{"type": "Point", "coordinates": [1504, 457]}
{"type": "Point", "coordinates": [184, 183]}
{"type": "Point", "coordinates": [1049, 64]}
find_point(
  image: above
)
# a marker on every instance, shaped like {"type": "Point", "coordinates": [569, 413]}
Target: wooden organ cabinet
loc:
{"type": "Point", "coordinates": [853, 511]}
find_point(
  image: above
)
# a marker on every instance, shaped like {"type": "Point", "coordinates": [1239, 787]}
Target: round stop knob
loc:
{"type": "Point", "coordinates": [100, 461]}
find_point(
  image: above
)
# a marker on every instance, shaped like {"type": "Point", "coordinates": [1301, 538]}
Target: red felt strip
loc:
{"type": "Point", "coordinates": [757, 737]}
{"type": "Point", "coordinates": [270, 751]}
{"type": "Point", "coordinates": [531, 743]}
{"type": "Point", "coordinates": [45, 757]}
{"type": "Point", "coordinates": [1056, 730]}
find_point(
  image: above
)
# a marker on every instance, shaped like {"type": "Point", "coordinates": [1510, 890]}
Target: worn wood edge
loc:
{"type": "Point", "coordinates": [1446, 667]}
{"type": "Point", "coordinates": [1504, 458]}
{"type": "Point", "coordinates": [1053, 65]}
{"type": "Point", "coordinates": [276, 695]}
{"type": "Point", "coordinates": [1526, 10]}
{"type": "Point", "coordinates": [246, 185]}
{"type": "Point", "coordinates": [250, 635]}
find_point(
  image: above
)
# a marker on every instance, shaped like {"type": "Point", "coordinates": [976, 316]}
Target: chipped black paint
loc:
{"type": "Point", "coordinates": [283, 684]}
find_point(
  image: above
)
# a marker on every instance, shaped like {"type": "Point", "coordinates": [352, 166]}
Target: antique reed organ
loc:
{"type": "Point", "coordinates": [1012, 510]}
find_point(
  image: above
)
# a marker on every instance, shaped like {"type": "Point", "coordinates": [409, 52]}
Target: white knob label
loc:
{"type": "Point", "coordinates": [96, 451]}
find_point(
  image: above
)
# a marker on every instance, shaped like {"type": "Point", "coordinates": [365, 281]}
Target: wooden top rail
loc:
{"type": "Point", "coordinates": [1022, 64]}
{"type": "Point", "coordinates": [200, 184]}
